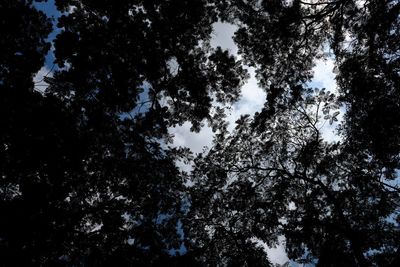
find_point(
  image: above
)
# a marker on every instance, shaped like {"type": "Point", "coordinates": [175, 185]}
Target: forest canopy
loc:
{"type": "Point", "coordinates": [90, 175]}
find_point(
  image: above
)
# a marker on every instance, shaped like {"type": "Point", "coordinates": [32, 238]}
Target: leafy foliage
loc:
{"type": "Point", "coordinates": [86, 174]}
{"type": "Point", "coordinates": [84, 178]}
{"type": "Point", "coordinates": [286, 180]}
{"type": "Point", "coordinates": [275, 175]}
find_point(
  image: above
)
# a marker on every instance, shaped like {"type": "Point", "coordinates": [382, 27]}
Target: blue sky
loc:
{"type": "Point", "coordinates": [51, 11]}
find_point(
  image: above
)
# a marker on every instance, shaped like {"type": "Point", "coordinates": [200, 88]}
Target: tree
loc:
{"type": "Point", "coordinates": [282, 39]}
{"type": "Point", "coordinates": [330, 204]}
{"type": "Point", "coordinates": [87, 174]}
{"type": "Point", "coordinates": [86, 177]}
{"type": "Point", "coordinates": [275, 175]}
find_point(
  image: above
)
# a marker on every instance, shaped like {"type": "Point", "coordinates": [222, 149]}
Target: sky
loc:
{"type": "Point", "coordinates": [252, 96]}
{"type": "Point", "coordinates": [51, 11]}
{"type": "Point", "coordinates": [252, 100]}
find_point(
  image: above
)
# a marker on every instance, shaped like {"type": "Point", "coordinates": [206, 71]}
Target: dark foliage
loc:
{"type": "Point", "coordinates": [86, 174]}
{"type": "Point", "coordinates": [85, 181]}
{"type": "Point", "coordinates": [275, 176]}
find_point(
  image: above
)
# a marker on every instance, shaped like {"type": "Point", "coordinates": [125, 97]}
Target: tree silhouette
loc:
{"type": "Point", "coordinates": [334, 202]}
{"type": "Point", "coordinates": [330, 204]}
{"type": "Point", "coordinates": [88, 177]}
{"type": "Point", "coordinates": [85, 179]}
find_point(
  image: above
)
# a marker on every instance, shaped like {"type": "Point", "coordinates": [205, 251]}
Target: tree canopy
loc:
{"type": "Point", "coordinates": [88, 175]}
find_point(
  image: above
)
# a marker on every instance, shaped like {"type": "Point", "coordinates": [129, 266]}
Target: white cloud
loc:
{"type": "Point", "coordinates": [329, 131]}
{"type": "Point", "coordinates": [277, 254]}
{"type": "Point", "coordinates": [222, 36]}
{"type": "Point", "coordinates": [195, 141]}
{"type": "Point", "coordinates": [324, 76]}
{"type": "Point", "coordinates": [38, 79]}
{"type": "Point", "coordinates": [251, 100]}
{"type": "Point", "coordinates": [252, 96]}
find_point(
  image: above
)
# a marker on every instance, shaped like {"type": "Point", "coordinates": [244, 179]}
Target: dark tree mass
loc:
{"type": "Point", "coordinates": [88, 175]}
